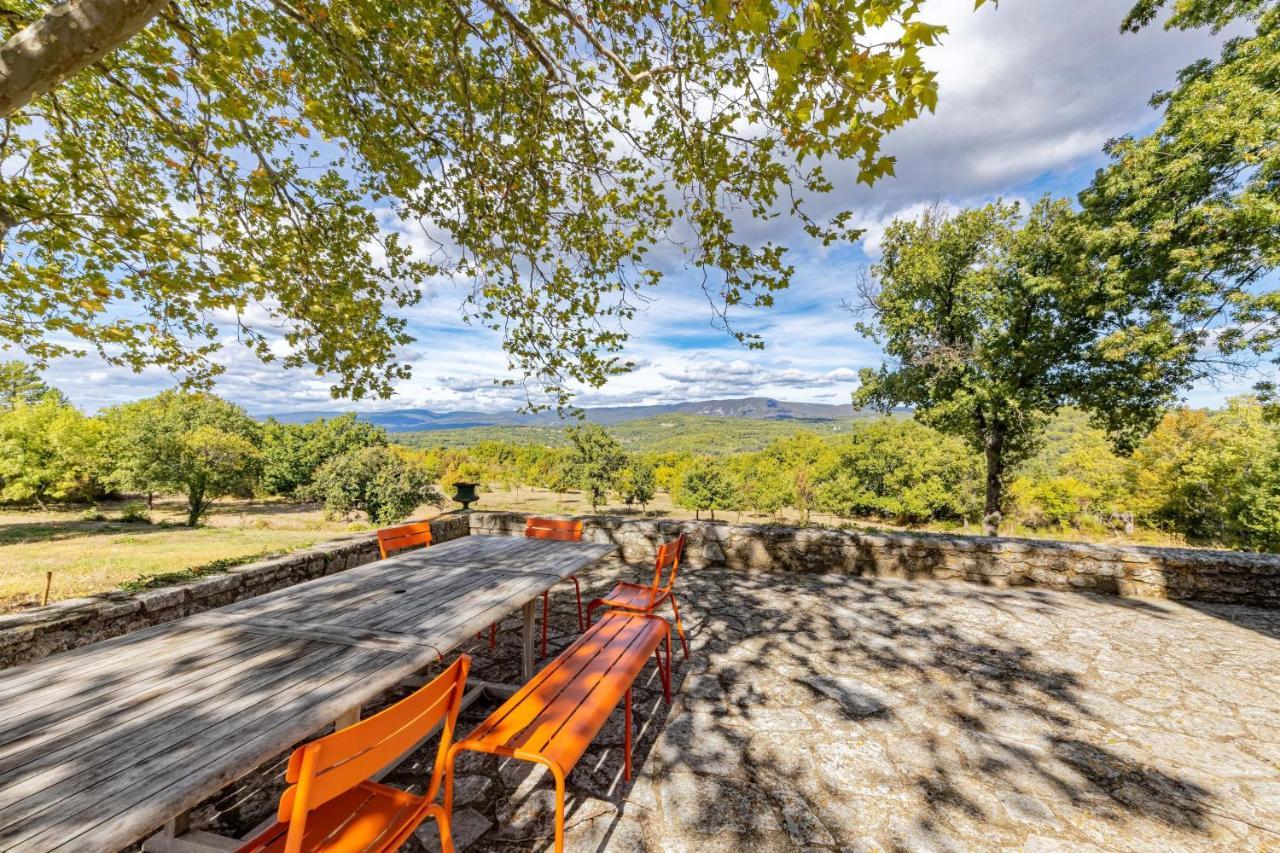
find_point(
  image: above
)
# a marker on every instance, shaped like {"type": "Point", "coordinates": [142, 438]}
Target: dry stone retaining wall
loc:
{"type": "Point", "coordinates": [1229, 577]}
{"type": "Point", "coordinates": [29, 635]}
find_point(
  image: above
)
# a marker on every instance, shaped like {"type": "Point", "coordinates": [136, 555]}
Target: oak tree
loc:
{"type": "Point", "coordinates": [992, 322]}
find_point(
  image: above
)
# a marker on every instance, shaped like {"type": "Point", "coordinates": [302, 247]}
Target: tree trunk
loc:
{"type": "Point", "coordinates": [195, 506]}
{"type": "Point", "coordinates": [68, 38]}
{"type": "Point", "coordinates": [993, 446]}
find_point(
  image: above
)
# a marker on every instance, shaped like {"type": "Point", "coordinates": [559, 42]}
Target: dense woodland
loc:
{"type": "Point", "coordinates": [1209, 476]}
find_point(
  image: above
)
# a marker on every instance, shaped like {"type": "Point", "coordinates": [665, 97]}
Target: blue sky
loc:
{"type": "Point", "coordinates": [1029, 92]}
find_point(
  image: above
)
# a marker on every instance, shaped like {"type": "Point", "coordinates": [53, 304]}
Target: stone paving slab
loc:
{"type": "Point", "coordinates": [826, 712]}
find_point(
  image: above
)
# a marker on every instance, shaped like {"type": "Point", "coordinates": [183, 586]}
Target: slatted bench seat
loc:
{"type": "Point", "coordinates": [553, 719]}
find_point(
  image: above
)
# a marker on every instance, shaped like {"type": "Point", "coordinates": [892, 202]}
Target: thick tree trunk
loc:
{"type": "Point", "coordinates": [993, 446]}
{"type": "Point", "coordinates": [69, 37]}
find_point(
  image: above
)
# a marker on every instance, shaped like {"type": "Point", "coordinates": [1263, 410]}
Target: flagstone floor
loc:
{"type": "Point", "coordinates": [827, 712]}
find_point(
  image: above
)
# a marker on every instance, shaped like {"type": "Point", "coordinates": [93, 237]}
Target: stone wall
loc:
{"type": "Point", "coordinates": [33, 634]}
{"type": "Point", "coordinates": [1178, 573]}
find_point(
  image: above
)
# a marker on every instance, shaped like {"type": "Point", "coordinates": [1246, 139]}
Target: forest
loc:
{"type": "Point", "coordinates": [1204, 477]}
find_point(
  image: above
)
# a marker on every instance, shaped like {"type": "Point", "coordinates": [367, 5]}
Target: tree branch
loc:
{"type": "Point", "coordinates": [70, 36]}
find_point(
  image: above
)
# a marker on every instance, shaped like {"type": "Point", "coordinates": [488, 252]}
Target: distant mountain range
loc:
{"type": "Point", "coordinates": [755, 408]}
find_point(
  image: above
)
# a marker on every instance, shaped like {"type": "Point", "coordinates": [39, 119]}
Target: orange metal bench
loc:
{"type": "Point", "coordinates": [639, 598]}
{"type": "Point", "coordinates": [392, 540]}
{"type": "Point", "coordinates": [332, 806]}
{"type": "Point", "coordinates": [553, 718]}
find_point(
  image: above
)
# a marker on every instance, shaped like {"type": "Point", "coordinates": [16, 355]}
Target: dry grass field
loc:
{"type": "Point", "coordinates": [89, 555]}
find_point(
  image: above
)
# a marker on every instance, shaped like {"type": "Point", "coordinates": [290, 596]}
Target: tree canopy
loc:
{"type": "Point", "coordinates": [196, 444]}
{"type": "Point", "coordinates": [301, 172]}
{"type": "Point", "coordinates": [991, 323]}
{"type": "Point", "coordinates": [1188, 216]}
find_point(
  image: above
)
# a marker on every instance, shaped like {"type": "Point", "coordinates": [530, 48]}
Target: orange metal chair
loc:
{"type": "Point", "coordinates": [563, 530]}
{"type": "Point", "coordinates": [638, 598]}
{"type": "Point", "coordinates": [332, 806]}
{"type": "Point", "coordinates": [392, 540]}
{"type": "Point", "coordinates": [554, 717]}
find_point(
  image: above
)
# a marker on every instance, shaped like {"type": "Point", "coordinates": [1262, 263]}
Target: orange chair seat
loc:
{"type": "Point", "coordinates": [370, 817]}
{"type": "Point", "coordinates": [634, 596]}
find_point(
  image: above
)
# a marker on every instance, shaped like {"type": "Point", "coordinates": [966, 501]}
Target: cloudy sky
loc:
{"type": "Point", "coordinates": [1029, 92]}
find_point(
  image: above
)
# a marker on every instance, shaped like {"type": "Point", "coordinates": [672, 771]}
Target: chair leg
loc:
{"type": "Point", "coordinates": [446, 831]}
{"type": "Point", "coordinates": [666, 673]}
{"type": "Point", "coordinates": [545, 607]}
{"type": "Point", "coordinates": [577, 591]}
{"type": "Point", "coordinates": [493, 635]}
{"type": "Point", "coordinates": [627, 747]}
{"type": "Point", "coordinates": [591, 605]}
{"type": "Point", "coordinates": [680, 628]}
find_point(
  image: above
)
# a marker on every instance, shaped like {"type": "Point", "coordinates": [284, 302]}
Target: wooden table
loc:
{"type": "Point", "coordinates": [100, 745]}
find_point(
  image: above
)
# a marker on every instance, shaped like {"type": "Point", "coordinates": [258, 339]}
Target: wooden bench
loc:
{"type": "Point", "coordinates": [553, 718]}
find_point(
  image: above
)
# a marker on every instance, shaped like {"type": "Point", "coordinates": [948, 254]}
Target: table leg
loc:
{"type": "Point", "coordinates": [526, 637]}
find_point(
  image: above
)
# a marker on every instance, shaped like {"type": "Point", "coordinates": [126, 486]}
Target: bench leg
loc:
{"type": "Point", "coordinates": [559, 812]}
{"type": "Point", "coordinates": [627, 746]}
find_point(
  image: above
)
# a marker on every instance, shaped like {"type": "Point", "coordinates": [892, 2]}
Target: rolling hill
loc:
{"type": "Point", "coordinates": [750, 408]}
{"type": "Point", "coordinates": [658, 433]}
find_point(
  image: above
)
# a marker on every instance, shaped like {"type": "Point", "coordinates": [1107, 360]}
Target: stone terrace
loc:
{"type": "Point", "coordinates": [832, 712]}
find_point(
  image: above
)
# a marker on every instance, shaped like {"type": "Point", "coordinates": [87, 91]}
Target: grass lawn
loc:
{"type": "Point", "coordinates": [93, 556]}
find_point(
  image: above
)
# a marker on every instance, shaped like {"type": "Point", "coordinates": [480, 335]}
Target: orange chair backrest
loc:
{"type": "Point", "coordinates": [392, 540]}
{"type": "Point", "coordinates": [563, 529]}
{"type": "Point", "coordinates": [336, 763]}
{"type": "Point", "coordinates": [669, 554]}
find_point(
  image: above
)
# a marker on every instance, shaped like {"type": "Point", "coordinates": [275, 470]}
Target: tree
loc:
{"type": "Point", "coordinates": [595, 458]}
{"type": "Point", "coordinates": [1188, 217]}
{"type": "Point", "coordinates": [212, 463]}
{"type": "Point", "coordinates": [172, 163]}
{"type": "Point", "coordinates": [385, 485]}
{"type": "Point", "coordinates": [292, 452]}
{"type": "Point", "coordinates": [49, 451]}
{"type": "Point", "coordinates": [1212, 475]}
{"type": "Point", "coordinates": [22, 383]}
{"type": "Point", "coordinates": [991, 324]}
{"type": "Point", "coordinates": [193, 443]}
{"type": "Point", "coordinates": [637, 483]}
{"type": "Point", "coordinates": [900, 470]}
{"type": "Point", "coordinates": [766, 483]}
{"type": "Point", "coordinates": [705, 486]}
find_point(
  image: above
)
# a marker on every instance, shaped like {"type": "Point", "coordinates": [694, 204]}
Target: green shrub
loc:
{"type": "Point", "coordinates": [135, 512]}
{"type": "Point", "coordinates": [385, 485]}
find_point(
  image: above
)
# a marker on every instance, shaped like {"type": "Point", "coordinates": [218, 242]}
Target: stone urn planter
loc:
{"type": "Point", "coordinates": [465, 494]}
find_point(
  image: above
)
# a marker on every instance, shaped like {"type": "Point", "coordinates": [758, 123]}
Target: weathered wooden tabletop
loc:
{"type": "Point", "coordinates": [100, 745]}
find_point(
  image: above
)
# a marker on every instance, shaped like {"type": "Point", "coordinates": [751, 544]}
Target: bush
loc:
{"type": "Point", "coordinates": [93, 514]}
{"type": "Point", "coordinates": [385, 485]}
{"type": "Point", "coordinates": [135, 512]}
